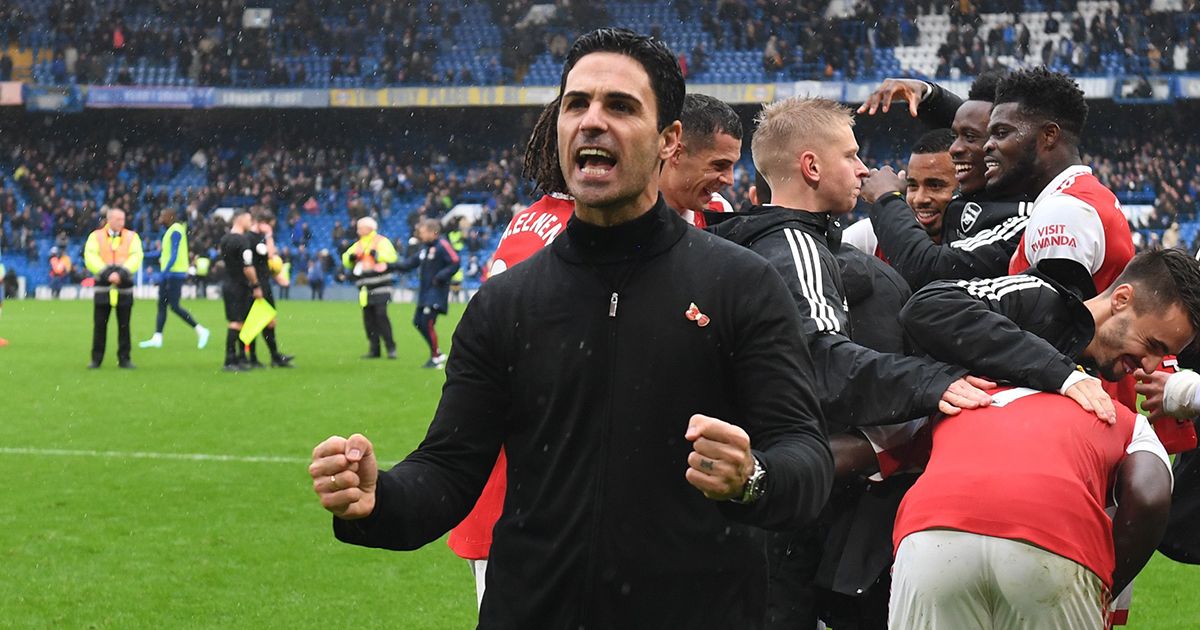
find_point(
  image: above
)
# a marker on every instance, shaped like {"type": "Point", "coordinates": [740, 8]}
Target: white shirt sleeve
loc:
{"type": "Point", "coordinates": [1063, 226]}
{"type": "Point", "coordinates": [1145, 439]}
{"type": "Point", "coordinates": [861, 236]}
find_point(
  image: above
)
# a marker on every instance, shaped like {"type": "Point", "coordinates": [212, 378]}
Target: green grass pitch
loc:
{"type": "Point", "coordinates": [101, 528]}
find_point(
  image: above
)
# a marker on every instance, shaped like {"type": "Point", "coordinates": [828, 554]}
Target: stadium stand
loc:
{"type": "Point", "coordinates": [322, 43]}
{"type": "Point", "coordinates": [54, 184]}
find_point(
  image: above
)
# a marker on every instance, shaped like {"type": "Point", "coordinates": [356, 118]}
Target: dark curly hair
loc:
{"type": "Point", "coordinates": [1051, 95]}
{"type": "Point", "coordinates": [984, 86]}
{"type": "Point", "coordinates": [541, 152]}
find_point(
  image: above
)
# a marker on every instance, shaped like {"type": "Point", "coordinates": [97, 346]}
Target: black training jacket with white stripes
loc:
{"type": "Point", "coordinates": [1025, 329]}
{"type": "Point", "coordinates": [978, 239]}
{"type": "Point", "coordinates": [861, 387]}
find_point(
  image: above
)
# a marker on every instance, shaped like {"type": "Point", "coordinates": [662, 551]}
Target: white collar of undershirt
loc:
{"type": "Point", "coordinates": [1060, 181]}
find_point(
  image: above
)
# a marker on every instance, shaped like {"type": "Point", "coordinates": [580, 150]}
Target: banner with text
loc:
{"type": "Point", "coordinates": [101, 96]}
{"type": "Point", "coordinates": [277, 98]}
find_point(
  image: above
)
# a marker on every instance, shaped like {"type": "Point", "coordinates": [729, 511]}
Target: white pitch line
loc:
{"type": "Point", "coordinates": [192, 457]}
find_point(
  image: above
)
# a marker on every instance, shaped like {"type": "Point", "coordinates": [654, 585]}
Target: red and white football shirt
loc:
{"type": "Point", "coordinates": [1033, 467]}
{"type": "Point", "coordinates": [717, 204]}
{"type": "Point", "coordinates": [1078, 219]}
{"type": "Point", "coordinates": [530, 230]}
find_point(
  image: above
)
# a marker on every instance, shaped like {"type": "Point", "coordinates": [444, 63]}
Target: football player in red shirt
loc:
{"type": "Point", "coordinates": [703, 163]}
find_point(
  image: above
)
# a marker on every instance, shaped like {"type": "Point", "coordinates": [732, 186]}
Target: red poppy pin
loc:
{"type": "Point", "coordinates": [693, 314]}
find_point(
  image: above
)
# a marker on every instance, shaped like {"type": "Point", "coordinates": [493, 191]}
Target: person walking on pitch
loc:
{"type": "Point", "coordinates": [174, 262]}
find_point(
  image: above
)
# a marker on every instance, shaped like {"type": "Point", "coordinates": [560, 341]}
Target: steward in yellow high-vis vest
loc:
{"type": "Point", "coordinates": [370, 261]}
{"type": "Point", "coordinates": [174, 265]}
{"type": "Point", "coordinates": [113, 255]}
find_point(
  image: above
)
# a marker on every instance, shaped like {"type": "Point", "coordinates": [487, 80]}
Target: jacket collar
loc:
{"type": "Point", "coordinates": [747, 227]}
{"type": "Point", "coordinates": [643, 238]}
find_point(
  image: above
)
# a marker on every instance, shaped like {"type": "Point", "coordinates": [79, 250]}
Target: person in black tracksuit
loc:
{"type": "Point", "coordinates": [1027, 329]}
{"type": "Point", "coordinates": [798, 244]}
{"type": "Point", "coordinates": [438, 261]}
{"type": "Point", "coordinates": [262, 245]}
{"type": "Point", "coordinates": [823, 572]}
{"type": "Point", "coordinates": [586, 362]}
{"type": "Point", "coordinates": [979, 232]}
{"type": "Point", "coordinates": [1032, 331]}
{"type": "Point", "coordinates": [1181, 542]}
{"type": "Point", "coordinates": [240, 287]}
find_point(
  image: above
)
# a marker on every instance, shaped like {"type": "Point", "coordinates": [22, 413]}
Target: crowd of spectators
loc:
{"type": "Point", "coordinates": [1139, 39]}
{"type": "Point", "coordinates": [64, 185]}
{"type": "Point", "coordinates": [398, 42]}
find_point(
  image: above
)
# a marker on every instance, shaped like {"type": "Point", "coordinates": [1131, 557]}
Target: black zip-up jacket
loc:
{"type": "Point", "coordinates": [583, 363]}
{"type": "Point", "coordinates": [860, 386]}
{"type": "Point", "coordinates": [938, 109]}
{"type": "Point", "coordinates": [979, 235]}
{"type": "Point", "coordinates": [978, 239]}
{"type": "Point", "coordinates": [1026, 329]}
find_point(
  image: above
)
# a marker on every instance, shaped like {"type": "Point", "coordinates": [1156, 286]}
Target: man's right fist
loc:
{"type": "Point", "coordinates": [344, 474]}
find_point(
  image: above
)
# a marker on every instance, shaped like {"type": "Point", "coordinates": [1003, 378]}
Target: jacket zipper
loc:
{"type": "Point", "coordinates": [605, 435]}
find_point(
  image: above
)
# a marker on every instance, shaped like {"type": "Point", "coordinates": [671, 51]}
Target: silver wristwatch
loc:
{"type": "Point", "coordinates": [754, 485]}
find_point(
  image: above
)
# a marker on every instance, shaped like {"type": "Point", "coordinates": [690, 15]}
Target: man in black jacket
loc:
{"type": "Point", "coordinates": [806, 151]}
{"type": "Point", "coordinates": [1032, 331]}
{"type": "Point", "coordinates": [592, 362]}
{"type": "Point", "coordinates": [980, 231]}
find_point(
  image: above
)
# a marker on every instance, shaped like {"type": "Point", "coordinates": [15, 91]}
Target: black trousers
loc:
{"type": "Point", "coordinates": [378, 326]}
{"type": "Point", "coordinates": [100, 315]}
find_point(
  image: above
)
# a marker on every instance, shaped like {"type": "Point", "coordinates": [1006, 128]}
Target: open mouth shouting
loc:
{"type": "Point", "coordinates": [594, 162]}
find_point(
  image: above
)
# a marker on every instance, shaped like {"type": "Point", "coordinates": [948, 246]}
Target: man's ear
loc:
{"type": "Point", "coordinates": [677, 154]}
{"type": "Point", "coordinates": [809, 167]}
{"type": "Point", "coordinates": [1122, 297]}
{"type": "Point", "coordinates": [1050, 135]}
{"type": "Point", "coordinates": [670, 140]}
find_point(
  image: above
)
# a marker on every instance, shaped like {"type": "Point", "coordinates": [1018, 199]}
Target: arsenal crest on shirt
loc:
{"type": "Point", "coordinates": [969, 214]}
